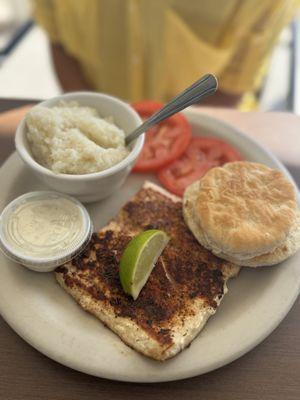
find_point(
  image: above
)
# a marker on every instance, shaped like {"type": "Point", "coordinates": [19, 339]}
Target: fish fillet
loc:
{"type": "Point", "coordinates": [183, 291]}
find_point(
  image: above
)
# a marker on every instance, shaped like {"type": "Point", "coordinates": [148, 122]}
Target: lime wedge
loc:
{"type": "Point", "coordinates": [139, 258]}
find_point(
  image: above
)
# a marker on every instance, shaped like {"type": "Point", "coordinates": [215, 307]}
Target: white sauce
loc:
{"type": "Point", "coordinates": [44, 228]}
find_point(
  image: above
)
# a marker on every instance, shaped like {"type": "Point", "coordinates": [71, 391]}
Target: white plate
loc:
{"type": "Point", "coordinates": [47, 318]}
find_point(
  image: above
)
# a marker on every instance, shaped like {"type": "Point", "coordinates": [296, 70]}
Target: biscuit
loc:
{"type": "Point", "coordinates": [287, 249]}
{"type": "Point", "coordinates": [245, 209]}
{"type": "Point", "coordinates": [276, 199]}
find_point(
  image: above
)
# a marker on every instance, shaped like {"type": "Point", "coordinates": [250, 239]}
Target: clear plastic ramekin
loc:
{"type": "Point", "coordinates": [71, 219]}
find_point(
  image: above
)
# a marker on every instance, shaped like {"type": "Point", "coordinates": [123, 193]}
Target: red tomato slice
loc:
{"type": "Point", "coordinates": [164, 142]}
{"type": "Point", "coordinates": [202, 154]}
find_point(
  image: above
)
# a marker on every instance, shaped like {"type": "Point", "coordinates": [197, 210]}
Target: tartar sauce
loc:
{"type": "Point", "coordinates": [44, 228]}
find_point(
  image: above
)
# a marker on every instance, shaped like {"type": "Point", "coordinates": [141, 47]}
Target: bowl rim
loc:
{"type": "Point", "coordinates": [29, 160]}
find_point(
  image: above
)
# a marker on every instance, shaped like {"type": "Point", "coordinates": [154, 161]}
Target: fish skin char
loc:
{"type": "Point", "coordinates": [183, 291]}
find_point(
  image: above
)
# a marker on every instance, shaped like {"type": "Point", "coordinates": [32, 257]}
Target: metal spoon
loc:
{"type": "Point", "coordinates": [205, 86]}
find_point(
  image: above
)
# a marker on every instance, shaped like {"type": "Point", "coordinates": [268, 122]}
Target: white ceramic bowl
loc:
{"type": "Point", "coordinates": [95, 186]}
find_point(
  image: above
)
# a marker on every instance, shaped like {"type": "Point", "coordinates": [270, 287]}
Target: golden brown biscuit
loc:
{"type": "Point", "coordinates": [248, 208]}
{"type": "Point", "coordinates": [285, 250]}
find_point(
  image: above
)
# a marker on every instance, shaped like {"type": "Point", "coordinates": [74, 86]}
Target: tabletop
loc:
{"type": "Point", "coordinates": [271, 371]}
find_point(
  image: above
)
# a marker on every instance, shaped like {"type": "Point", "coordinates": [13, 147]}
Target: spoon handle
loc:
{"type": "Point", "coordinates": [205, 86]}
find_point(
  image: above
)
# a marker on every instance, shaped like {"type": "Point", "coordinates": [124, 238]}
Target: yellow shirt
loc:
{"type": "Point", "coordinates": [152, 49]}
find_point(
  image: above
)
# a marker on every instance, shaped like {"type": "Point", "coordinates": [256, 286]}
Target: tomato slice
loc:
{"type": "Point", "coordinates": [164, 142]}
{"type": "Point", "coordinates": [202, 154]}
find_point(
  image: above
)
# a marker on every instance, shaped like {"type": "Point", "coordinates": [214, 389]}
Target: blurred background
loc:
{"type": "Point", "coordinates": [27, 70]}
